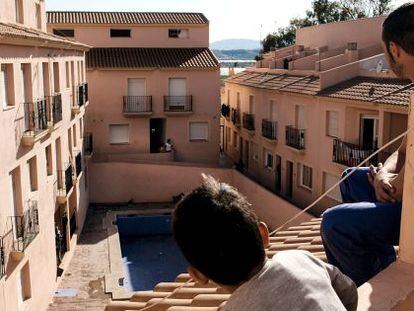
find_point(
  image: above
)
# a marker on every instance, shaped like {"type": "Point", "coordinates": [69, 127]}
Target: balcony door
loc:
{"type": "Point", "coordinates": [177, 90]}
{"type": "Point", "coordinates": [369, 132]}
{"type": "Point", "coordinates": [300, 117]}
{"type": "Point", "coordinates": [136, 91]}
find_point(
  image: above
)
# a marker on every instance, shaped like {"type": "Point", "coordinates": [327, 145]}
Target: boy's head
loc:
{"type": "Point", "coordinates": [219, 234]}
{"type": "Point", "coordinates": [398, 39]}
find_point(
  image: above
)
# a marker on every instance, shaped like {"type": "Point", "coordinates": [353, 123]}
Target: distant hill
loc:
{"type": "Point", "coordinates": [236, 54]}
{"type": "Point", "coordinates": [235, 44]}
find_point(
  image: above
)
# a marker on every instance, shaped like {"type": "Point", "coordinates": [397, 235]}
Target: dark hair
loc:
{"type": "Point", "coordinates": [398, 27]}
{"type": "Point", "coordinates": [217, 231]}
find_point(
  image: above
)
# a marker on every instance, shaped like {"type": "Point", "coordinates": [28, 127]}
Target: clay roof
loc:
{"type": "Point", "coordinates": [308, 85]}
{"type": "Point", "coordinates": [377, 90]}
{"type": "Point", "coordinates": [13, 31]}
{"type": "Point", "coordinates": [196, 297]}
{"type": "Point", "coordinates": [186, 58]}
{"type": "Point", "coordinates": [126, 18]}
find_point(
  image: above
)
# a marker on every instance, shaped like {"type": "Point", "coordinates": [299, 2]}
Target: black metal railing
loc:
{"type": "Point", "coordinates": [295, 138]}
{"type": "Point", "coordinates": [78, 163]}
{"type": "Point", "coordinates": [65, 180]}
{"type": "Point", "coordinates": [82, 94]}
{"type": "Point", "coordinates": [225, 110]}
{"type": "Point", "coordinates": [35, 116]}
{"type": "Point", "coordinates": [137, 104]}
{"type": "Point", "coordinates": [26, 227]}
{"type": "Point", "coordinates": [248, 121]}
{"type": "Point", "coordinates": [269, 129]}
{"type": "Point", "coordinates": [88, 144]}
{"type": "Point", "coordinates": [235, 116]}
{"type": "Point", "coordinates": [2, 258]}
{"type": "Point", "coordinates": [351, 155]}
{"type": "Point", "coordinates": [55, 108]}
{"type": "Point", "coordinates": [178, 103]}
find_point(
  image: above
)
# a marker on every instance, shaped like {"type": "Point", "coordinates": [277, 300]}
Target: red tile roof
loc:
{"type": "Point", "coordinates": [13, 31]}
{"type": "Point", "coordinates": [197, 297]}
{"type": "Point", "coordinates": [308, 85]}
{"type": "Point", "coordinates": [186, 58]}
{"type": "Point", "coordinates": [143, 18]}
{"type": "Point", "coordinates": [376, 90]}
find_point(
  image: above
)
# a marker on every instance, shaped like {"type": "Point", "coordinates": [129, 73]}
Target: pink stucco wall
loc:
{"type": "Point", "coordinates": [8, 13]}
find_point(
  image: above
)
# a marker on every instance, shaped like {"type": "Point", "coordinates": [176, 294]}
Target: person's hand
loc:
{"type": "Point", "coordinates": [381, 180]}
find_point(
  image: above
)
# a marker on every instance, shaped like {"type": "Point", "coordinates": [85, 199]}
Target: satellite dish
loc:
{"type": "Point", "coordinates": [380, 66]}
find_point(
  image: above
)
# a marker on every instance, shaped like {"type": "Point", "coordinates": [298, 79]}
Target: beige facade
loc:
{"type": "Point", "coordinates": [163, 84]}
{"type": "Point", "coordinates": [296, 130]}
{"type": "Point", "coordinates": [43, 176]}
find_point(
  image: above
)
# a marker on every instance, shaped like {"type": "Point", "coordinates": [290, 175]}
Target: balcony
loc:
{"type": "Point", "coordinates": [35, 121]}
{"type": "Point", "coordinates": [78, 163]}
{"type": "Point", "coordinates": [248, 122]}
{"type": "Point", "coordinates": [88, 145]}
{"type": "Point", "coordinates": [225, 111]}
{"type": "Point", "coordinates": [2, 258]}
{"type": "Point", "coordinates": [351, 155]}
{"type": "Point", "coordinates": [137, 105]}
{"type": "Point", "coordinates": [55, 109]}
{"type": "Point", "coordinates": [81, 97]}
{"type": "Point", "coordinates": [235, 116]}
{"type": "Point", "coordinates": [178, 104]}
{"type": "Point", "coordinates": [295, 138]}
{"type": "Point", "coordinates": [64, 183]}
{"type": "Point", "coordinates": [25, 229]}
{"type": "Point", "coordinates": [269, 129]}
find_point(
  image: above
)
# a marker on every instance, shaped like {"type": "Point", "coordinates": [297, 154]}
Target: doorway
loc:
{"type": "Point", "coordinates": [157, 134]}
{"type": "Point", "coordinates": [369, 132]}
{"type": "Point", "coordinates": [289, 179]}
{"type": "Point", "coordinates": [278, 173]}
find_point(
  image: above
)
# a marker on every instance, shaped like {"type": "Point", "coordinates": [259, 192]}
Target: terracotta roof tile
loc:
{"type": "Point", "coordinates": [308, 85]}
{"type": "Point", "coordinates": [143, 18]}
{"type": "Point", "coordinates": [377, 90]}
{"type": "Point", "coordinates": [196, 297]}
{"type": "Point", "coordinates": [151, 58]}
{"type": "Point", "coordinates": [8, 30]}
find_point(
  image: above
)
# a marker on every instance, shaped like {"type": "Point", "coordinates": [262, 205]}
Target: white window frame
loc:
{"type": "Point", "coordinates": [267, 153]}
{"type": "Point", "coordinates": [301, 176]}
{"type": "Point", "coordinates": [329, 133]}
{"type": "Point", "coordinates": [204, 123]}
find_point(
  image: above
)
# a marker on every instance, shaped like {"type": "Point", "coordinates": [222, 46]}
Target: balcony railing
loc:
{"type": "Point", "coordinates": [35, 116]}
{"type": "Point", "coordinates": [26, 227]}
{"type": "Point", "coordinates": [64, 181]}
{"type": "Point", "coordinates": [248, 121]}
{"type": "Point", "coordinates": [82, 94]}
{"type": "Point", "coordinates": [269, 129]}
{"type": "Point", "coordinates": [225, 110]}
{"type": "Point", "coordinates": [235, 116]}
{"type": "Point", "coordinates": [350, 155]}
{"type": "Point", "coordinates": [55, 108]}
{"type": "Point", "coordinates": [78, 163]}
{"type": "Point", "coordinates": [178, 103]}
{"type": "Point", "coordinates": [137, 104]}
{"type": "Point", "coordinates": [295, 138]}
{"type": "Point", "coordinates": [2, 258]}
{"type": "Point", "coordinates": [88, 144]}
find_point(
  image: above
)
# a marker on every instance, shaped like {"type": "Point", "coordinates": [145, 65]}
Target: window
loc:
{"type": "Point", "coordinates": [137, 87]}
{"type": "Point", "coordinates": [268, 159]}
{"type": "Point", "coordinates": [228, 97]}
{"type": "Point", "coordinates": [238, 100]}
{"type": "Point", "coordinates": [67, 67]}
{"type": "Point", "coordinates": [32, 165]}
{"type": "Point", "coordinates": [120, 33]}
{"type": "Point", "coordinates": [56, 77]}
{"type": "Point", "coordinates": [118, 134]}
{"type": "Point", "coordinates": [251, 104]}
{"type": "Point", "coordinates": [305, 176]}
{"type": "Point", "coordinates": [19, 11]}
{"type": "Point", "coordinates": [332, 123]}
{"type": "Point", "coordinates": [49, 161]}
{"type": "Point", "coordinates": [177, 90]}
{"type": "Point", "coordinates": [46, 79]}
{"type": "Point", "coordinates": [255, 151]}
{"type": "Point", "coordinates": [81, 127]}
{"type": "Point", "coordinates": [39, 16]}
{"type": "Point", "coordinates": [178, 33]}
{"type": "Point", "coordinates": [23, 284]}
{"type": "Point", "coordinates": [69, 33]}
{"type": "Point", "coordinates": [300, 117]}
{"type": "Point", "coordinates": [273, 111]}
{"type": "Point", "coordinates": [6, 85]}
{"type": "Point", "coordinates": [235, 140]}
{"type": "Point", "coordinates": [75, 136]}
{"type": "Point", "coordinates": [70, 140]}
{"type": "Point", "coordinates": [24, 82]}
{"type": "Point", "coordinates": [328, 181]}
{"type": "Point", "coordinates": [228, 136]}
{"type": "Point", "coordinates": [198, 131]}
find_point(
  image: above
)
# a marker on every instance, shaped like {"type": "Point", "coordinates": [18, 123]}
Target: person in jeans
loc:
{"type": "Point", "coordinates": [359, 236]}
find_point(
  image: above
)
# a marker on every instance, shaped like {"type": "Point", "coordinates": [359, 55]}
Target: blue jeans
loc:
{"type": "Point", "coordinates": [359, 235]}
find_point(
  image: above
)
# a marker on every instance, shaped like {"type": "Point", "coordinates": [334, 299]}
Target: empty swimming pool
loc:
{"type": "Point", "coordinates": [149, 252]}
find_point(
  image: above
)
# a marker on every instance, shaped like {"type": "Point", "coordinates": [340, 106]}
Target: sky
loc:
{"type": "Point", "coordinates": [228, 18]}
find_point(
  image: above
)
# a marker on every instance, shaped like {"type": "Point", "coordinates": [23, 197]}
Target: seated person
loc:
{"type": "Point", "coordinates": [224, 242]}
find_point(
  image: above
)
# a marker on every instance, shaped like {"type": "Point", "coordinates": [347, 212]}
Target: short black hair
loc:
{"type": "Point", "coordinates": [398, 27]}
{"type": "Point", "coordinates": [217, 231]}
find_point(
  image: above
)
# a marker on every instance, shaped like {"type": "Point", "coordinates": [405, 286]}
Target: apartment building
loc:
{"type": "Point", "coordinates": [153, 78]}
{"type": "Point", "coordinates": [306, 112]}
{"type": "Point", "coordinates": [43, 175]}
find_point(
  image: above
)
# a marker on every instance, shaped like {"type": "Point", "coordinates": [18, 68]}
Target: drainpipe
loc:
{"type": "Point", "coordinates": [407, 217]}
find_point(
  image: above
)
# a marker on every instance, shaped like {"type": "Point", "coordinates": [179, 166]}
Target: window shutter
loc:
{"type": "Point", "coordinates": [198, 131]}
{"type": "Point", "coordinates": [329, 181]}
{"type": "Point", "coordinates": [119, 134]}
{"type": "Point", "coordinates": [3, 86]}
{"type": "Point", "coordinates": [333, 123]}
